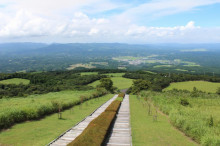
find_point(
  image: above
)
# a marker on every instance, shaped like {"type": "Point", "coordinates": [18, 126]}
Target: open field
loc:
{"type": "Point", "coordinates": [115, 74]}
{"type": "Point", "coordinates": [16, 81]}
{"type": "Point", "coordinates": [204, 86]}
{"type": "Point", "coordinates": [181, 70]}
{"type": "Point", "coordinates": [121, 58]}
{"type": "Point", "coordinates": [32, 102]}
{"type": "Point", "coordinates": [158, 66]}
{"type": "Point", "coordinates": [145, 131]}
{"type": "Point", "coordinates": [119, 82]}
{"type": "Point", "coordinates": [43, 131]}
{"type": "Point", "coordinates": [88, 73]}
{"type": "Point", "coordinates": [89, 66]}
{"type": "Point", "coordinates": [15, 110]}
{"type": "Point", "coordinates": [150, 72]}
{"type": "Point", "coordinates": [198, 117]}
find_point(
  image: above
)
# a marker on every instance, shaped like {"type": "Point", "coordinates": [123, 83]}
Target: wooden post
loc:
{"type": "Point", "coordinates": [149, 110]}
{"type": "Point", "coordinates": [155, 116]}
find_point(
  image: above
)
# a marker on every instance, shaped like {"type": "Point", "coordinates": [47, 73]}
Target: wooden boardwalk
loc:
{"type": "Point", "coordinates": [75, 131]}
{"type": "Point", "coordinates": [121, 132]}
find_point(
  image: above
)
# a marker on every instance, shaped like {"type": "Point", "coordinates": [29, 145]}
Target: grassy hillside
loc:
{"type": "Point", "coordinates": [208, 87]}
{"type": "Point", "coordinates": [119, 82]}
{"type": "Point", "coordinates": [32, 102]}
{"type": "Point", "coordinates": [145, 131]}
{"type": "Point", "coordinates": [198, 117]}
{"type": "Point", "coordinates": [16, 110]}
{"type": "Point", "coordinates": [16, 81]}
{"type": "Point", "coordinates": [43, 131]}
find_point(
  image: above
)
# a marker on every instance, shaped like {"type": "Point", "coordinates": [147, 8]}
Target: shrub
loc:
{"type": "Point", "coordinates": [211, 122]}
{"type": "Point", "coordinates": [121, 95]}
{"type": "Point", "coordinates": [218, 91]}
{"type": "Point", "coordinates": [184, 102]}
{"type": "Point", "coordinates": [96, 132]}
{"type": "Point", "coordinates": [113, 106]}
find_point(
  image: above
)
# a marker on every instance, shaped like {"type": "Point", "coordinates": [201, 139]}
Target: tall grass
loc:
{"type": "Point", "coordinates": [193, 119]}
{"type": "Point", "coordinates": [23, 109]}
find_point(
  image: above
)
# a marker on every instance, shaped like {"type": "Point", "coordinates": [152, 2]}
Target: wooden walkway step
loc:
{"type": "Point", "coordinates": [121, 132]}
{"type": "Point", "coordinates": [75, 131]}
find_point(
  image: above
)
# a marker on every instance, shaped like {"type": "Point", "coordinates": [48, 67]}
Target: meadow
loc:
{"type": "Point", "coordinates": [14, 110]}
{"type": "Point", "coordinates": [41, 132]}
{"type": "Point", "coordinates": [114, 74]}
{"type": "Point", "coordinates": [146, 131]}
{"type": "Point", "coordinates": [119, 82]}
{"type": "Point", "coordinates": [198, 117]}
{"type": "Point", "coordinates": [204, 86]}
{"type": "Point", "coordinates": [89, 66]}
{"type": "Point", "coordinates": [15, 81]}
{"type": "Point", "coordinates": [88, 73]}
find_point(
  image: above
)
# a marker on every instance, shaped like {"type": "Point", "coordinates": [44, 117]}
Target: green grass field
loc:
{"type": "Point", "coordinates": [146, 132]}
{"type": "Point", "coordinates": [88, 73]}
{"type": "Point", "coordinates": [115, 74]}
{"type": "Point", "coordinates": [181, 70]}
{"type": "Point", "coordinates": [204, 86]}
{"type": "Point", "coordinates": [16, 81]}
{"type": "Point", "coordinates": [158, 66]}
{"type": "Point", "coordinates": [150, 72]}
{"type": "Point", "coordinates": [32, 102]}
{"type": "Point", "coordinates": [199, 119]}
{"type": "Point", "coordinates": [41, 132]}
{"type": "Point", "coordinates": [119, 82]}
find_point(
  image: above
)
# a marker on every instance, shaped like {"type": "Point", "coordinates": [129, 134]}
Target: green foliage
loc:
{"type": "Point", "coordinates": [15, 81]}
{"type": "Point", "coordinates": [184, 102]}
{"type": "Point", "coordinates": [196, 121]}
{"type": "Point", "coordinates": [159, 133]}
{"type": "Point", "coordinates": [118, 82]}
{"type": "Point", "coordinates": [139, 85]}
{"type": "Point", "coordinates": [162, 80]}
{"type": "Point", "coordinates": [218, 91]}
{"type": "Point", "coordinates": [107, 84]}
{"type": "Point", "coordinates": [121, 95]}
{"type": "Point", "coordinates": [195, 92]}
{"type": "Point", "coordinates": [41, 132]}
{"type": "Point", "coordinates": [44, 82]}
{"type": "Point", "coordinates": [211, 122]}
{"type": "Point", "coordinates": [204, 86]}
{"type": "Point", "coordinates": [44, 106]}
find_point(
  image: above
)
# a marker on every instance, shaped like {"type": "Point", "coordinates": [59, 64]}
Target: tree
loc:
{"type": "Point", "coordinates": [139, 85]}
{"type": "Point", "coordinates": [107, 84]}
{"type": "Point", "coordinates": [218, 91]}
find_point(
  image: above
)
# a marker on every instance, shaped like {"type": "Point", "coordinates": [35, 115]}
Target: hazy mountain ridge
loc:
{"type": "Point", "coordinates": [38, 56]}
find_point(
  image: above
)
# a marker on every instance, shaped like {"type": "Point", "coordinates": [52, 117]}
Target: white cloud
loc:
{"type": "Point", "coordinates": [82, 28]}
{"type": "Point", "coordinates": [70, 20]}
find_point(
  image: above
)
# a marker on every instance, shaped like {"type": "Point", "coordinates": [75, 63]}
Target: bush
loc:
{"type": "Point", "coordinates": [218, 91]}
{"type": "Point", "coordinates": [113, 106]}
{"type": "Point", "coordinates": [184, 102]}
{"type": "Point", "coordinates": [96, 132]}
{"type": "Point", "coordinates": [121, 95]}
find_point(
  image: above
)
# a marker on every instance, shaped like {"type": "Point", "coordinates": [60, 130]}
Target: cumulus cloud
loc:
{"type": "Point", "coordinates": [55, 21]}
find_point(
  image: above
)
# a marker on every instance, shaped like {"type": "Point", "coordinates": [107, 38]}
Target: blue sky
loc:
{"type": "Point", "coordinates": [123, 21]}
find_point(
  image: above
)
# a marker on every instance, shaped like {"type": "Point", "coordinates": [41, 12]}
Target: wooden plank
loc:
{"type": "Point", "coordinates": [75, 131]}
{"type": "Point", "coordinates": [121, 132]}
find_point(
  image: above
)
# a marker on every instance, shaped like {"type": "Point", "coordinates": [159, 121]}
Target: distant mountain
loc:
{"type": "Point", "coordinates": [38, 56]}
